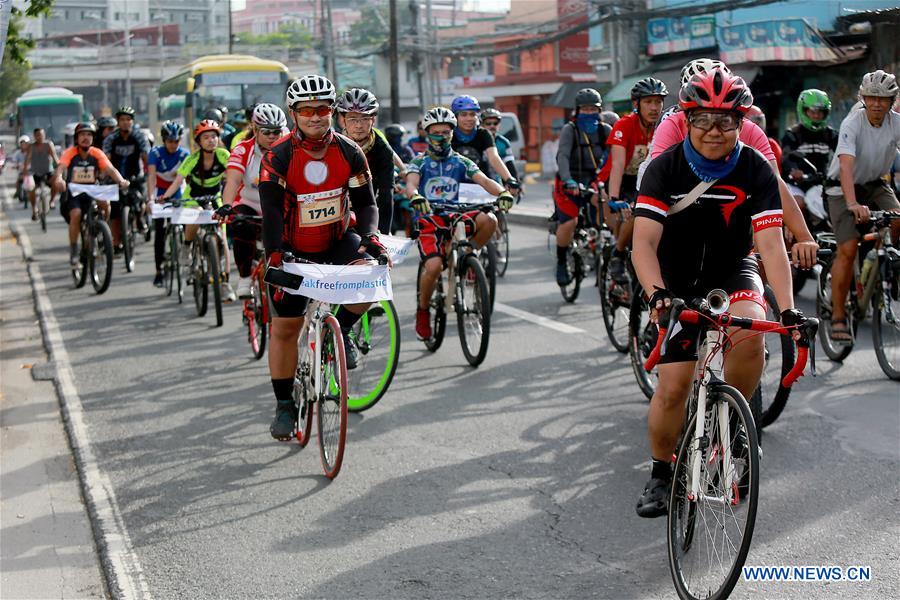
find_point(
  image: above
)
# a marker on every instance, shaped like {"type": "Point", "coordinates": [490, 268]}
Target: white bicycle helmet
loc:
{"type": "Point", "coordinates": [879, 83]}
{"type": "Point", "coordinates": [701, 65]}
{"type": "Point", "coordinates": [358, 100]}
{"type": "Point", "coordinates": [268, 115]}
{"type": "Point", "coordinates": [310, 87]}
{"type": "Point", "coordinates": [24, 138]}
{"type": "Point", "coordinates": [438, 115]}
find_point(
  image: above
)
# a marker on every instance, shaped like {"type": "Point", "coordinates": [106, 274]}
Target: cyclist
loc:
{"type": "Point", "coordinates": [490, 120]}
{"type": "Point", "coordinates": [706, 246]}
{"type": "Point", "coordinates": [204, 172]}
{"type": "Point", "coordinates": [357, 109]}
{"type": "Point", "coordinates": [39, 162]}
{"type": "Point", "coordinates": [866, 149]}
{"type": "Point", "coordinates": [435, 176]}
{"type": "Point", "coordinates": [127, 147]}
{"type": "Point", "coordinates": [609, 117]}
{"type": "Point", "coordinates": [418, 143]}
{"type": "Point", "coordinates": [18, 162]}
{"type": "Point", "coordinates": [162, 168]}
{"type": "Point", "coordinates": [323, 169]}
{"type": "Point", "coordinates": [476, 143]}
{"type": "Point", "coordinates": [756, 116]}
{"type": "Point", "coordinates": [394, 134]}
{"type": "Point", "coordinates": [241, 124]}
{"type": "Point", "coordinates": [82, 163]}
{"type": "Point", "coordinates": [241, 195]}
{"type": "Point", "coordinates": [628, 142]}
{"type": "Point", "coordinates": [582, 149]}
{"type": "Point", "coordinates": [105, 126]}
{"type": "Point", "coordinates": [811, 137]}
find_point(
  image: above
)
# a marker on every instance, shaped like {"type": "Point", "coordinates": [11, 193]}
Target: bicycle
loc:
{"type": "Point", "coordinates": [173, 242]}
{"type": "Point", "coordinates": [582, 256]}
{"type": "Point", "coordinates": [133, 219]}
{"type": "Point", "coordinates": [255, 309]}
{"type": "Point", "coordinates": [875, 284]}
{"type": "Point", "coordinates": [42, 202]}
{"type": "Point", "coordinates": [467, 291]}
{"type": "Point", "coordinates": [501, 242]}
{"type": "Point", "coordinates": [615, 298]}
{"type": "Point", "coordinates": [205, 266]}
{"type": "Point", "coordinates": [96, 254]}
{"type": "Point", "coordinates": [715, 484]}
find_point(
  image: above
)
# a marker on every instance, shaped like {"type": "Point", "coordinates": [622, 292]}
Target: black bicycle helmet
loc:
{"type": "Point", "coordinates": [85, 126]}
{"type": "Point", "coordinates": [649, 86]}
{"type": "Point", "coordinates": [588, 97]}
{"type": "Point", "coordinates": [395, 130]}
{"type": "Point", "coordinates": [491, 113]}
{"type": "Point", "coordinates": [214, 114]}
{"type": "Point", "coordinates": [125, 110]}
{"type": "Point", "coordinates": [104, 122]}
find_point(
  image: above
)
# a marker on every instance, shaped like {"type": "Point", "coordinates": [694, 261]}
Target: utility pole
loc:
{"type": "Point", "coordinates": [394, 59]}
{"type": "Point", "coordinates": [434, 78]}
{"type": "Point", "coordinates": [329, 33]}
{"type": "Point", "coordinates": [128, 99]}
{"type": "Point", "coordinates": [417, 55]}
{"type": "Point", "coordinates": [230, 34]}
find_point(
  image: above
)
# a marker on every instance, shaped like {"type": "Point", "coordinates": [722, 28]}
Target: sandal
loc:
{"type": "Point", "coordinates": [840, 332]}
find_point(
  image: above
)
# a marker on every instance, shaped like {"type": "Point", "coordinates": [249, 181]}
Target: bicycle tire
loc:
{"type": "Point", "coordinates": [438, 313]}
{"type": "Point", "coordinates": [102, 256]}
{"type": "Point", "coordinates": [685, 517]}
{"type": "Point", "coordinates": [890, 368]}
{"type": "Point", "coordinates": [576, 272]}
{"type": "Point", "coordinates": [212, 252]}
{"type": "Point", "coordinates": [764, 411]}
{"type": "Point", "coordinates": [835, 352]}
{"type": "Point", "coordinates": [80, 272]}
{"type": "Point", "coordinates": [480, 306]}
{"type": "Point", "coordinates": [641, 341]}
{"type": "Point", "coordinates": [256, 325]}
{"type": "Point", "coordinates": [331, 412]}
{"type": "Point", "coordinates": [303, 401]}
{"type": "Point", "coordinates": [169, 258]}
{"type": "Point", "coordinates": [382, 364]}
{"type": "Point", "coordinates": [179, 268]}
{"type": "Point", "coordinates": [613, 312]}
{"type": "Point", "coordinates": [127, 239]}
{"type": "Point", "coordinates": [501, 239]}
{"type": "Point", "coordinates": [199, 271]}
{"type": "Point", "coordinates": [43, 202]}
{"type": "Point", "coordinates": [488, 259]}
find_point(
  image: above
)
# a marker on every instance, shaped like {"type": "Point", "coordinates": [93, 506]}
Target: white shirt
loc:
{"type": "Point", "coordinates": [874, 148]}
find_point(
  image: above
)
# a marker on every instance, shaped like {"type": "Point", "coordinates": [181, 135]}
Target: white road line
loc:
{"type": "Point", "coordinates": [536, 319]}
{"type": "Point", "coordinates": [124, 574]}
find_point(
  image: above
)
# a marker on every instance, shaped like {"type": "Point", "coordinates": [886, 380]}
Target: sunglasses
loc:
{"type": "Point", "coordinates": [358, 120]}
{"type": "Point", "coordinates": [310, 111]}
{"type": "Point", "coordinates": [491, 123]}
{"type": "Point", "coordinates": [723, 121]}
{"type": "Point", "coordinates": [267, 131]}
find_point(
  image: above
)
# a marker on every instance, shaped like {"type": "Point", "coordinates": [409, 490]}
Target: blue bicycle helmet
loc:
{"type": "Point", "coordinates": [170, 130]}
{"type": "Point", "coordinates": [461, 103]}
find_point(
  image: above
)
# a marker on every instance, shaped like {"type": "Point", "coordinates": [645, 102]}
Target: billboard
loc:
{"type": "Point", "coordinates": [787, 40]}
{"type": "Point", "coordinates": [572, 50]}
{"type": "Point", "coordinates": [666, 36]}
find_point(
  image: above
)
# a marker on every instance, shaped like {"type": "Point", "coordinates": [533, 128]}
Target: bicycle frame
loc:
{"type": "Point", "coordinates": [315, 315]}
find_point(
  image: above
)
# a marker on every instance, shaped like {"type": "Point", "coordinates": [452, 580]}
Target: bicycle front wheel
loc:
{"type": "Point", "coordinates": [331, 413]}
{"type": "Point", "coordinates": [501, 240]}
{"type": "Point", "coordinates": [642, 334]}
{"type": "Point", "coordinates": [835, 351]}
{"type": "Point", "coordinates": [212, 259]}
{"type": "Point", "coordinates": [44, 206]}
{"type": "Point", "coordinates": [886, 329]}
{"type": "Point", "coordinates": [80, 271]}
{"type": "Point", "coordinates": [771, 396]}
{"type": "Point", "coordinates": [473, 313]}
{"type": "Point", "coordinates": [710, 527]}
{"type": "Point", "coordinates": [127, 238]}
{"type": "Point", "coordinates": [615, 303]}
{"type": "Point", "coordinates": [169, 254]}
{"type": "Point", "coordinates": [575, 268]}
{"type": "Point", "coordinates": [200, 273]}
{"type": "Point", "coordinates": [101, 257]}
{"type": "Point", "coordinates": [304, 395]}
{"type": "Point", "coordinates": [377, 337]}
{"type": "Point", "coordinates": [254, 314]}
{"type": "Point", "coordinates": [488, 258]}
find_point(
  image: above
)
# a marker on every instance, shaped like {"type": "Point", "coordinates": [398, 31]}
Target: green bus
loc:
{"type": "Point", "coordinates": [52, 108]}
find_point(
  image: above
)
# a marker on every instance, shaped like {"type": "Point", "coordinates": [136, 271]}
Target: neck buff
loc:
{"type": "Point", "coordinates": [314, 145]}
{"type": "Point", "coordinates": [367, 144]}
{"type": "Point", "coordinates": [588, 123]}
{"type": "Point", "coordinates": [465, 137]}
{"type": "Point", "coordinates": [439, 145]}
{"type": "Point", "coordinates": [710, 170]}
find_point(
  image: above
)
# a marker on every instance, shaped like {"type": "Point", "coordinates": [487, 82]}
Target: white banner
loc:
{"type": "Point", "coordinates": [474, 193]}
{"type": "Point", "coordinates": [398, 248]}
{"type": "Point", "coordinates": [104, 193]}
{"type": "Point", "coordinates": [160, 211]}
{"type": "Point", "coordinates": [183, 216]}
{"type": "Point", "coordinates": [342, 284]}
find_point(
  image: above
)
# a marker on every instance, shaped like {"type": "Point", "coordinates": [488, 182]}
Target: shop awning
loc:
{"type": "Point", "coordinates": [565, 95]}
{"type": "Point", "coordinates": [621, 92]}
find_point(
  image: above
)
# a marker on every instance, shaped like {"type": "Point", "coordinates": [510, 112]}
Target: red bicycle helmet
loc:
{"type": "Point", "coordinates": [716, 89]}
{"type": "Point", "coordinates": [204, 126]}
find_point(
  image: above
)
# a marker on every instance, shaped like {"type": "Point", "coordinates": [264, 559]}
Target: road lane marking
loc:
{"type": "Point", "coordinates": [536, 319]}
{"type": "Point", "coordinates": [125, 577]}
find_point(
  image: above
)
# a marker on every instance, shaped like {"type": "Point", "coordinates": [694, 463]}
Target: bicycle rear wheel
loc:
{"type": "Point", "coordinates": [615, 304]}
{"type": "Point", "coordinates": [438, 314]}
{"type": "Point", "coordinates": [377, 336]}
{"type": "Point", "coordinates": [835, 351]}
{"type": "Point", "coordinates": [501, 240]}
{"type": "Point", "coordinates": [200, 273]}
{"type": "Point", "coordinates": [473, 315]}
{"type": "Point", "coordinates": [254, 315]}
{"type": "Point", "coordinates": [101, 256]}
{"type": "Point", "coordinates": [212, 254]}
{"type": "Point", "coordinates": [771, 396]}
{"type": "Point", "coordinates": [575, 269]}
{"type": "Point", "coordinates": [127, 238]}
{"type": "Point", "coordinates": [642, 336]}
{"type": "Point", "coordinates": [80, 271]}
{"type": "Point", "coordinates": [886, 329]}
{"type": "Point", "coordinates": [43, 206]}
{"type": "Point", "coordinates": [709, 534]}
{"type": "Point", "coordinates": [331, 413]}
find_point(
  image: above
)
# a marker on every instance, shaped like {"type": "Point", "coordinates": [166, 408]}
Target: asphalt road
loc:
{"type": "Point", "coordinates": [517, 479]}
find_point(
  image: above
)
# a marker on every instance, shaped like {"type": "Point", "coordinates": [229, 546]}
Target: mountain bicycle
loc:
{"type": "Point", "coordinates": [582, 256]}
{"type": "Point", "coordinates": [96, 251]}
{"type": "Point", "coordinates": [715, 486]}
{"type": "Point", "coordinates": [205, 263]}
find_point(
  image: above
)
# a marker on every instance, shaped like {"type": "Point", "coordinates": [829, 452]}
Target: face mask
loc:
{"type": "Point", "coordinates": [439, 145]}
{"type": "Point", "coordinates": [588, 122]}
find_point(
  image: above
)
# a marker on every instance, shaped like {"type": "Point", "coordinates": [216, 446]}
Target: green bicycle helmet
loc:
{"type": "Point", "coordinates": [816, 100]}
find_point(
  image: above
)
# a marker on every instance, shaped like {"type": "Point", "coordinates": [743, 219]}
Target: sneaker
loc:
{"type": "Point", "coordinates": [243, 288]}
{"type": "Point", "coordinates": [158, 280]}
{"type": "Point", "coordinates": [423, 324]}
{"type": "Point", "coordinates": [228, 294]}
{"type": "Point", "coordinates": [351, 353]}
{"type": "Point", "coordinates": [74, 259]}
{"type": "Point", "coordinates": [562, 275]}
{"type": "Point", "coordinates": [654, 501]}
{"type": "Point", "coordinates": [617, 270]}
{"type": "Point", "coordinates": [283, 425]}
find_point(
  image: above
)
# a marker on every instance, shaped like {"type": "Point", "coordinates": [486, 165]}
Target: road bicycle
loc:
{"type": "Point", "coordinates": [255, 309]}
{"type": "Point", "coordinates": [205, 263]}
{"type": "Point", "coordinates": [96, 252]}
{"type": "Point", "coordinates": [377, 338]}
{"type": "Point", "coordinates": [615, 297]}
{"type": "Point", "coordinates": [715, 486]}
{"type": "Point", "coordinates": [875, 283]}
{"type": "Point", "coordinates": [467, 291]}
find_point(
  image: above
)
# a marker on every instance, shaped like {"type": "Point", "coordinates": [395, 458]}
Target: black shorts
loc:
{"type": "Point", "coordinates": [67, 203]}
{"type": "Point", "coordinates": [744, 284]}
{"type": "Point", "coordinates": [42, 179]}
{"type": "Point", "coordinates": [343, 252]}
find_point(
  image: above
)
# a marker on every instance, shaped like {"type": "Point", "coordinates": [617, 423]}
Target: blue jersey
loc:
{"type": "Point", "coordinates": [440, 177]}
{"type": "Point", "coordinates": [166, 165]}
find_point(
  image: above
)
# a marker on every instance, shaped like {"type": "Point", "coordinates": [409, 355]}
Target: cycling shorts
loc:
{"type": "Point", "coordinates": [568, 205]}
{"type": "Point", "coordinates": [875, 194]}
{"type": "Point", "coordinates": [434, 231]}
{"type": "Point", "coordinates": [82, 202]}
{"type": "Point", "coordinates": [745, 284]}
{"type": "Point", "coordinates": [343, 252]}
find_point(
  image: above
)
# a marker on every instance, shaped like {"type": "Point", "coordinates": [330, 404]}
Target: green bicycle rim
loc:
{"type": "Point", "coordinates": [359, 403]}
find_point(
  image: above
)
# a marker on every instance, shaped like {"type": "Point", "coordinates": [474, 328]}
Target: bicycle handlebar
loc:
{"type": "Point", "coordinates": [290, 258]}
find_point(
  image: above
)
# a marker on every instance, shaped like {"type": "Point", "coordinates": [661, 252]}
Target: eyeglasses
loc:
{"type": "Point", "coordinates": [491, 123]}
{"type": "Point", "coordinates": [358, 120]}
{"type": "Point", "coordinates": [267, 131]}
{"type": "Point", "coordinates": [309, 111]}
{"type": "Point", "coordinates": [723, 121]}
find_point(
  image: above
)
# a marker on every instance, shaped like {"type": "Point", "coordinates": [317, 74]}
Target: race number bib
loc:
{"type": "Point", "coordinates": [83, 174]}
{"type": "Point", "coordinates": [640, 153]}
{"type": "Point", "coordinates": [321, 208]}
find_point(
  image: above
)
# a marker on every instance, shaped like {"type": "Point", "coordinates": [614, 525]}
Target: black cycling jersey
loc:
{"type": "Point", "coordinates": [703, 245]}
{"type": "Point", "coordinates": [125, 154]}
{"type": "Point", "coordinates": [475, 148]}
{"type": "Point", "coordinates": [816, 146]}
{"type": "Point", "coordinates": [380, 157]}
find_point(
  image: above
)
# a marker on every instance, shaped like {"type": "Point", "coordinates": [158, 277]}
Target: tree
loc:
{"type": "Point", "coordinates": [17, 47]}
{"type": "Point", "coordinates": [371, 29]}
{"type": "Point", "coordinates": [292, 35]}
{"type": "Point", "coordinates": [14, 79]}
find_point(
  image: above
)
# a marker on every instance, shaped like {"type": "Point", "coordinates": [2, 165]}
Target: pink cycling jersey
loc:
{"type": "Point", "coordinates": [673, 130]}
